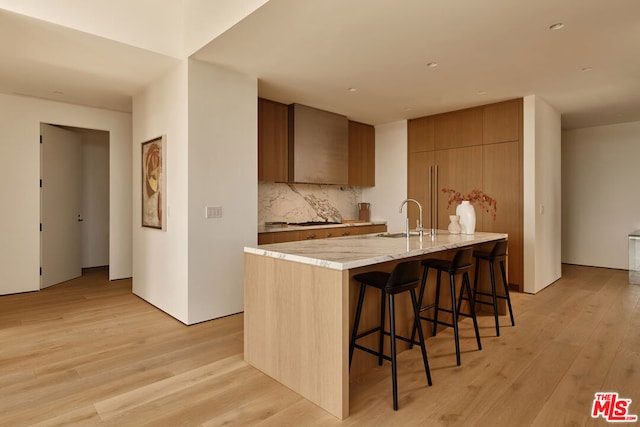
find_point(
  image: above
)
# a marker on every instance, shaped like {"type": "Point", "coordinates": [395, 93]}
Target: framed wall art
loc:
{"type": "Point", "coordinates": [154, 194]}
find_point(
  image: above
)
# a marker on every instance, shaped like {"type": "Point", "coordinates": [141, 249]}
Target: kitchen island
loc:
{"type": "Point", "coordinates": [299, 298]}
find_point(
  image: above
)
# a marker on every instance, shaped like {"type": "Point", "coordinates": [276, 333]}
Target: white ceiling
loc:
{"type": "Point", "coordinates": [312, 51]}
{"type": "Point", "coordinates": [49, 61]}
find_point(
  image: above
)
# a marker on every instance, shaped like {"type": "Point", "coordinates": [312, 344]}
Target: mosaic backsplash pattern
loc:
{"type": "Point", "coordinates": [307, 202]}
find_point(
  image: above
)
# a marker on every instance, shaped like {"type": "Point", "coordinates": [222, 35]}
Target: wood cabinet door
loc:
{"type": "Point", "coordinates": [277, 237]}
{"type": "Point", "coordinates": [368, 229]}
{"type": "Point", "coordinates": [502, 122]}
{"type": "Point", "coordinates": [502, 180]}
{"type": "Point", "coordinates": [328, 233]}
{"type": "Point", "coordinates": [419, 186]}
{"type": "Point", "coordinates": [273, 141]}
{"type": "Point", "coordinates": [362, 151]}
{"type": "Point", "coordinates": [459, 169]}
{"type": "Point", "coordinates": [420, 134]}
{"type": "Point", "coordinates": [377, 228]}
{"type": "Point", "coordinates": [265, 238]}
{"type": "Point", "coordinates": [458, 129]}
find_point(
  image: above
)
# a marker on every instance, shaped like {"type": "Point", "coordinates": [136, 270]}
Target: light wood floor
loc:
{"type": "Point", "coordinates": [88, 352]}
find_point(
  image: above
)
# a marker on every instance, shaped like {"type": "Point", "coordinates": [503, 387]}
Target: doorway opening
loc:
{"type": "Point", "coordinates": [74, 202]}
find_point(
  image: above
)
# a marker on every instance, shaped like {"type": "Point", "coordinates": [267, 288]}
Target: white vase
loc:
{"type": "Point", "coordinates": [467, 215]}
{"type": "Point", "coordinates": [454, 225]}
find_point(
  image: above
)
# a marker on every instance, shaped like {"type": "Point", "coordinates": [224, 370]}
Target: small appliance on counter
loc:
{"type": "Point", "coordinates": [363, 211]}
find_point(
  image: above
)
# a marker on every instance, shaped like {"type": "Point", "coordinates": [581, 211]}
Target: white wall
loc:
{"type": "Point", "coordinates": [95, 198]}
{"type": "Point", "coordinates": [391, 176]}
{"type": "Point", "coordinates": [194, 269]}
{"type": "Point", "coordinates": [600, 203]}
{"type": "Point", "coordinates": [20, 119]}
{"type": "Point", "coordinates": [542, 194]}
{"type": "Point", "coordinates": [548, 195]}
{"type": "Point", "coordinates": [160, 258]}
{"type": "Point", "coordinates": [223, 171]}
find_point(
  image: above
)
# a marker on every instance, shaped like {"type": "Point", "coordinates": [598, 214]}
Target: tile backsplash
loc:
{"type": "Point", "coordinates": [307, 202]}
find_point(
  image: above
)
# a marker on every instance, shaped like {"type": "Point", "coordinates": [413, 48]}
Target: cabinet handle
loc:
{"type": "Point", "coordinates": [430, 197]}
{"type": "Point", "coordinates": [346, 233]}
{"type": "Point", "coordinates": [329, 234]}
{"type": "Point", "coordinates": [436, 198]}
{"type": "Point", "coordinates": [311, 236]}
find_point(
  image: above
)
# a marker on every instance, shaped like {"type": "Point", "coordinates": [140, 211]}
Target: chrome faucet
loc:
{"type": "Point", "coordinates": [419, 228]}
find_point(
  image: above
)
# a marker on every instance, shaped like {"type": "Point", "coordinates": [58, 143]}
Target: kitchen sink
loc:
{"type": "Point", "coordinates": [392, 235]}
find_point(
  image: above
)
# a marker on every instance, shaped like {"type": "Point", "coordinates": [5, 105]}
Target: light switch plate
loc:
{"type": "Point", "coordinates": [214, 212]}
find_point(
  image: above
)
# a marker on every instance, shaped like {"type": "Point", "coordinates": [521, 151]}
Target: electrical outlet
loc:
{"type": "Point", "coordinates": [214, 212]}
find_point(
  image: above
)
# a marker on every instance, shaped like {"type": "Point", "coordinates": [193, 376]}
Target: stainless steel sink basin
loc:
{"type": "Point", "coordinates": [392, 235]}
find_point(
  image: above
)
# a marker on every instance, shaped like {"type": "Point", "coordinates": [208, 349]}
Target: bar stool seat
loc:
{"type": "Point", "coordinates": [497, 254]}
{"type": "Point", "coordinates": [403, 278]}
{"type": "Point", "coordinates": [460, 264]}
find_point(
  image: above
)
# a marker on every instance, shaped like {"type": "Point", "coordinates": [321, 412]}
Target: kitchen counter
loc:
{"type": "Point", "coordinates": [299, 300]}
{"type": "Point", "coordinates": [350, 252]}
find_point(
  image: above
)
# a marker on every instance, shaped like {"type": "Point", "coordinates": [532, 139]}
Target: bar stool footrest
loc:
{"type": "Point", "coordinates": [369, 332]}
{"type": "Point", "coordinates": [385, 357]}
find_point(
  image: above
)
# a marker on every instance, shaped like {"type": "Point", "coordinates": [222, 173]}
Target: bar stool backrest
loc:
{"type": "Point", "coordinates": [463, 258]}
{"type": "Point", "coordinates": [404, 273]}
{"type": "Point", "coordinates": [500, 249]}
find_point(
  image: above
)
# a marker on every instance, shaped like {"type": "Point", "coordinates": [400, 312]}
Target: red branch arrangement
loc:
{"type": "Point", "coordinates": [475, 197]}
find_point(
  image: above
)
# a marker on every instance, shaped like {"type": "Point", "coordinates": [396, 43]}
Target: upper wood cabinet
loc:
{"type": "Point", "coordinates": [273, 147]}
{"type": "Point", "coordinates": [420, 134]}
{"type": "Point", "coordinates": [502, 122]}
{"type": "Point", "coordinates": [273, 140]}
{"type": "Point", "coordinates": [362, 150]}
{"type": "Point", "coordinates": [457, 129]}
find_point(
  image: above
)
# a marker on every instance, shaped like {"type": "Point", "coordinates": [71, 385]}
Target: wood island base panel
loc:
{"type": "Point", "coordinates": [298, 308]}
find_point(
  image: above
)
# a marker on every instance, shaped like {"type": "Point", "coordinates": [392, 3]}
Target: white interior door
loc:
{"type": "Point", "coordinates": [60, 205]}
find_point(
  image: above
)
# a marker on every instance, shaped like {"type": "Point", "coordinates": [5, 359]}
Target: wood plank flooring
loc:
{"type": "Point", "coordinates": [89, 352]}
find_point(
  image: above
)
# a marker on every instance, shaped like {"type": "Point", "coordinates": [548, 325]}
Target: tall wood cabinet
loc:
{"type": "Point", "coordinates": [479, 147]}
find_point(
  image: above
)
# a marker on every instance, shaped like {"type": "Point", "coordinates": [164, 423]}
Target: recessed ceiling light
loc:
{"type": "Point", "coordinates": [482, 92]}
{"type": "Point", "coordinates": [556, 26]}
{"type": "Point", "coordinates": [585, 69]}
{"type": "Point", "coordinates": [352, 89]}
{"type": "Point", "coordinates": [408, 109]}
{"type": "Point", "coordinates": [432, 64]}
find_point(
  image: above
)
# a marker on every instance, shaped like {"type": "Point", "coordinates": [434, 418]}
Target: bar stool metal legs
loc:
{"type": "Point", "coordinates": [497, 254]}
{"type": "Point", "coordinates": [460, 264]}
{"type": "Point", "coordinates": [400, 280]}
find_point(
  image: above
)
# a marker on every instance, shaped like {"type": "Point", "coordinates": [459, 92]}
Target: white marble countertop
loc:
{"type": "Point", "coordinates": [264, 229]}
{"type": "Point", "coordinates": [343, 253]}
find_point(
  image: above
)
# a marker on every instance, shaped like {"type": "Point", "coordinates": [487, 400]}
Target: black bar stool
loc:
{"type": "Point", "coordinates": [403, 278]}
{"type": "Point", "coordinates": [461, 263]}
{"type": "Point", "coordinates": [498, 253]}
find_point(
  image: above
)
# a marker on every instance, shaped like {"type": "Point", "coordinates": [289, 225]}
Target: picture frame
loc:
{"type": "Point", "coordinates": [154, 192]}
